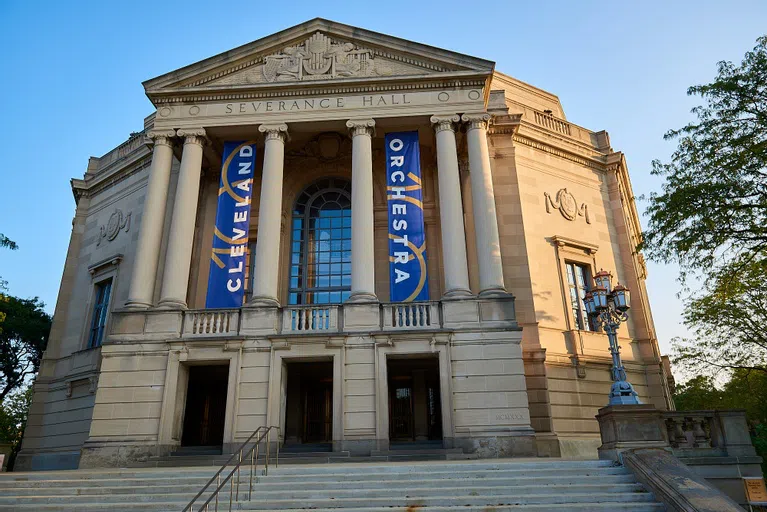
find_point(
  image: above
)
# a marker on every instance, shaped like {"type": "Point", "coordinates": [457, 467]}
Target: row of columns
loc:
{"type": "Point", "coordinates": [265, 284]}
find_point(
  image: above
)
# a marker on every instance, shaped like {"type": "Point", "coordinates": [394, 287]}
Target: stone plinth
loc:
{"type": "Point", "coordinates": [625, 427]}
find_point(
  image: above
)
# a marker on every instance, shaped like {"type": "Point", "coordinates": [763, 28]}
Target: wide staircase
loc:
{"type": "Point", "coordinates": [429, 486]}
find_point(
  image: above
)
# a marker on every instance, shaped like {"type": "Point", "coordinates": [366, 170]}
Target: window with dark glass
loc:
{"type": "Point", "coordinates": [578, 279]}
{"type": "Point", "coordinates": [100, 312]}
{"type": "Point", "coordinates": [321, 244]}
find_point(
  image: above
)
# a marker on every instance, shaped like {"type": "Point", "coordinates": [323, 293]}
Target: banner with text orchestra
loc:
{"type": "Point", "coordinates": [407, 240]}
{"type": "Point", "coordinates": [226, 280]}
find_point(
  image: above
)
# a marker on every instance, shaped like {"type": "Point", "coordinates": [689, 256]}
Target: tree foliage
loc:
{"type": "Point", "coordinates": [23, 338]}
{"type": "Point", "coordinates": [711, 217]}
{"type": "Point", "coordinates": [14, 412]}
{"type": "Point", "coordinates": [746, 389]}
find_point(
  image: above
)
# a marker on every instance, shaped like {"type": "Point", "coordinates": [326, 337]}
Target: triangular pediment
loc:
{"type": "Point", "coordinates": [318, 52]}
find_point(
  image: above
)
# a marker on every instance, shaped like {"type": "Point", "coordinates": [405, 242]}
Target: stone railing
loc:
{"type": "Point", "coordinates": [552, 123]}
{"type": "Point", "coordinates": [211, 322]}
{"type": "Point", "coordinates": [413, 315]}
{"type": "Point", "coordinates": [690, 429]}
{"type": "Point", "coordinates": [306, 319]}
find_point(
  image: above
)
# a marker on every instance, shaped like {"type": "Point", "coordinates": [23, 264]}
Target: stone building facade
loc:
{"type": "Point", "coordinates": [521, 207]}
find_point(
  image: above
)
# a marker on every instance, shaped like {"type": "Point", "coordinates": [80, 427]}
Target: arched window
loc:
{"type": "Point", "coordinates": [321, 244]}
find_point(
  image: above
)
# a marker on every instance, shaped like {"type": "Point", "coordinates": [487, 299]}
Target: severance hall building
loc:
{"type": "Point", "coordinates": [365, 241]}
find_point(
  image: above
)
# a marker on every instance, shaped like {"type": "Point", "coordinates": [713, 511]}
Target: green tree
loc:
{"type": "Point", "coordinates": [23, 338]}
{"type": "Point", "coordinates": [14, 412]}
{"type": "Point", "coordinates": [711, 218]}
{"type": "Point", "coordinates": [7, 243]}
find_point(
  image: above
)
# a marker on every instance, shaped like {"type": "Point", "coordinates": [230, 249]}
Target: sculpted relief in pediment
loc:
{"type": "Point", "coordinates": [320, 58]}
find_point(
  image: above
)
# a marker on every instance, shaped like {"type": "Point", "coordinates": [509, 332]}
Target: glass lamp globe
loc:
{"type": "Point", "coordinates": [621, 298]}
{"type": "Point", "coordinates": [599, 295]}
{"type": "Point", "coordinates": [588, 302]}
{"type": "Point", "coordinates": [603, 279]}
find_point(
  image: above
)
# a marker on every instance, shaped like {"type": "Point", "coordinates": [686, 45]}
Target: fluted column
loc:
{"type": "Point", "coordinates": [178, 256]}
{"type": "Point", "coordinates": [451, 209]}
{"type": "Point", "coordinates": [363, 262]}
{"type": "Point", "coordinates": [152, 219]}
{"type": "Point", "coordinates": [269, 216]}
{"type": "Point", "coordinates": [483, 200]}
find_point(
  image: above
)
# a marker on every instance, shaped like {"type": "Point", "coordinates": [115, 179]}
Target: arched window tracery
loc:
{"type": "Point", "coordinates": [321, 243]}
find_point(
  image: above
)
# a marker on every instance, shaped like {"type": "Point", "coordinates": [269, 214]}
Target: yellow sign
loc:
{"type": "Point", "coordinates": [756, 493]}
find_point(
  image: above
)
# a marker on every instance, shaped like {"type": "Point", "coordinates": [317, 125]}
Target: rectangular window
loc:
{"type": "Point", "coordinates": [579, 282]}
{"type": "Point", "coordinates": [100, 312]}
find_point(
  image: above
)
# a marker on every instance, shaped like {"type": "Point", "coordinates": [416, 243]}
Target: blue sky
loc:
{"type": "Point", "coordinates": [72, 74]}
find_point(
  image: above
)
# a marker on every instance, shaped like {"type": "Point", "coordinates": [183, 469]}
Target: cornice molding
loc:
{"type": "Point", "coordinates": [313, 88]}
{"type": "Point", "coordinates": [567, 155]}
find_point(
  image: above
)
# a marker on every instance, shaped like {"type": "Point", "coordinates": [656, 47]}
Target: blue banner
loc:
{"type": "Point", "coordinates": [407, 240]}
{"type": "Point", "coordinates": [226, 280]}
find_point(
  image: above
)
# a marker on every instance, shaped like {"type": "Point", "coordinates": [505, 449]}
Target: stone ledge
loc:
{"type": "Point", "coordinates": [674, 483]}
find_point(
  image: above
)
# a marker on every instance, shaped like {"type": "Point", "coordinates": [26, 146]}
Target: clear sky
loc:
{"type": "Point", "coordinates": [72, 74]}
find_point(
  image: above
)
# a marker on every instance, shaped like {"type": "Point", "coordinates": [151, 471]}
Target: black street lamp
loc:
{"type": "Point", "coordinates": [609, 309]}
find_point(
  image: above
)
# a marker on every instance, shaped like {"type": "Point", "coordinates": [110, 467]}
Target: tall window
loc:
{"type": "Point", "coordinates": [100, 311]}
{"type": "Point", "coordinates": [321, 246]}
{"type": "Point", "coordinates": [579, 279]}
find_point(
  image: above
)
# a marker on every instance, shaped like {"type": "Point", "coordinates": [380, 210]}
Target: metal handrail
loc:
{"type": "Point", "coordinates": [234, 488]}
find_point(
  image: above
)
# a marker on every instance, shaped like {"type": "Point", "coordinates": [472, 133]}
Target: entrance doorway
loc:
{"type": "Point", "coordinates": [205, 410]}
{"type": "Point", "coordinates": [415, 411]}
{"type": "Point", "coordinates": [309, 404]}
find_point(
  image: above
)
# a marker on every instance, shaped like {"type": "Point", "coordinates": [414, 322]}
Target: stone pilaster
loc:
{"type": "Point", "coordinates": [451, 209]}
{"type": "Point", "coordinates": [178, 256]}
{"type": "Point", "coordinates": [363, 260]}
{"type": "Point", "coordinates": [483, 200]}
{"type": "Point", "coordinates": [265, 283]}
{"type": "Point", "coordinates": [152, 219]}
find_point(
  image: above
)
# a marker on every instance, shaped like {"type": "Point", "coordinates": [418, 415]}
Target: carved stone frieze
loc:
{"type": "Point", "coordinates": [325, 147]}
{"type": "Point", "coordinates": [116, 223]}
{"type": "Point", "coordinates": [322, 58]}
{"type": "Point", "coordinates": [567, 205]}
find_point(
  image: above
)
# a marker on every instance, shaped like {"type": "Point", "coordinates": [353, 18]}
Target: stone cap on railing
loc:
{"type": "Point", "coordinates": [714, 433]}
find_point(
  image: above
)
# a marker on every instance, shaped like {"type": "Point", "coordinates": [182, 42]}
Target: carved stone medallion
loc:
{"type": "Point", "coordinates": [567, 205]}
{"type": "Point", "coordinates": [117, 222]}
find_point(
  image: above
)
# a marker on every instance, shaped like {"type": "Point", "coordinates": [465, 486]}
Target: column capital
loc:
{"type": "Point", "coordinates": [274, 131]}
{"type": "Point", "coordinates": [361, 127]}
{"type": "Point", "coordinates": [445, 122]}
{"type": "Point", "coordinates": [161, 137]}
{"type": "Point", "coordinates": [193, 135]}
{"type": "Point", "coordinates": [476, 120]}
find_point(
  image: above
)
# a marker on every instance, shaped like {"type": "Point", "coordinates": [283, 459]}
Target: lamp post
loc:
{"type": "Point", "coordinates": [609, 309]}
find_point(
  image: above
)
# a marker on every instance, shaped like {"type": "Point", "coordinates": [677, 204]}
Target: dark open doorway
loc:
{"type": "Point", "coordinates": [309, 404]}
{"type": "Point", "coordinates": [205, 410]}
{"type": "Point", "coordinates": [415, 412]}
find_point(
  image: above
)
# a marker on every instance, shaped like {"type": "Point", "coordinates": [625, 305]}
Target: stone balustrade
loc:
{"type": "Point", "coordinates": [162, 324]}
{"type": "Point", "coordinates": [210, 322]}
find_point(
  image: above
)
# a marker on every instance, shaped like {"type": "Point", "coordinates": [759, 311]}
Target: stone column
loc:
{"type": "Point", "coordinates": [152, 220]}
{"type": "Point", "coordinates": [265, 284]}
{"type": "Point", "coordinates": [363, 262]}
{"type": "Point", "coordinates": [178, 256]}
{"type": "Point", "coordinates": [451, 209]}
{"type": "Point", "coordinates": [483, 200]}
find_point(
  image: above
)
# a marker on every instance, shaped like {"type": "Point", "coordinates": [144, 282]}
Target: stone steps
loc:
{"type": "Point", "coordinates": [550, 484]}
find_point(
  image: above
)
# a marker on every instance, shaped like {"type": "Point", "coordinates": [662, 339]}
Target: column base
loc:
{"type": "Point", "coordinates": [494, 293]}
{"type": "Point", "coordinates": [457, 294]}
{"type": "Point", "coordinates": [172, 304]}
{"type": "Point", "coordinates": [137, 304]}
{"type": "Point", "coordinates": [361, 298]}
{"type": "Point", "coordinates": [263, 302]}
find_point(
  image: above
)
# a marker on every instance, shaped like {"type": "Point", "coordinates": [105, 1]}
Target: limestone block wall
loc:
{"type": "Point", "coordinates": [104, 234]}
